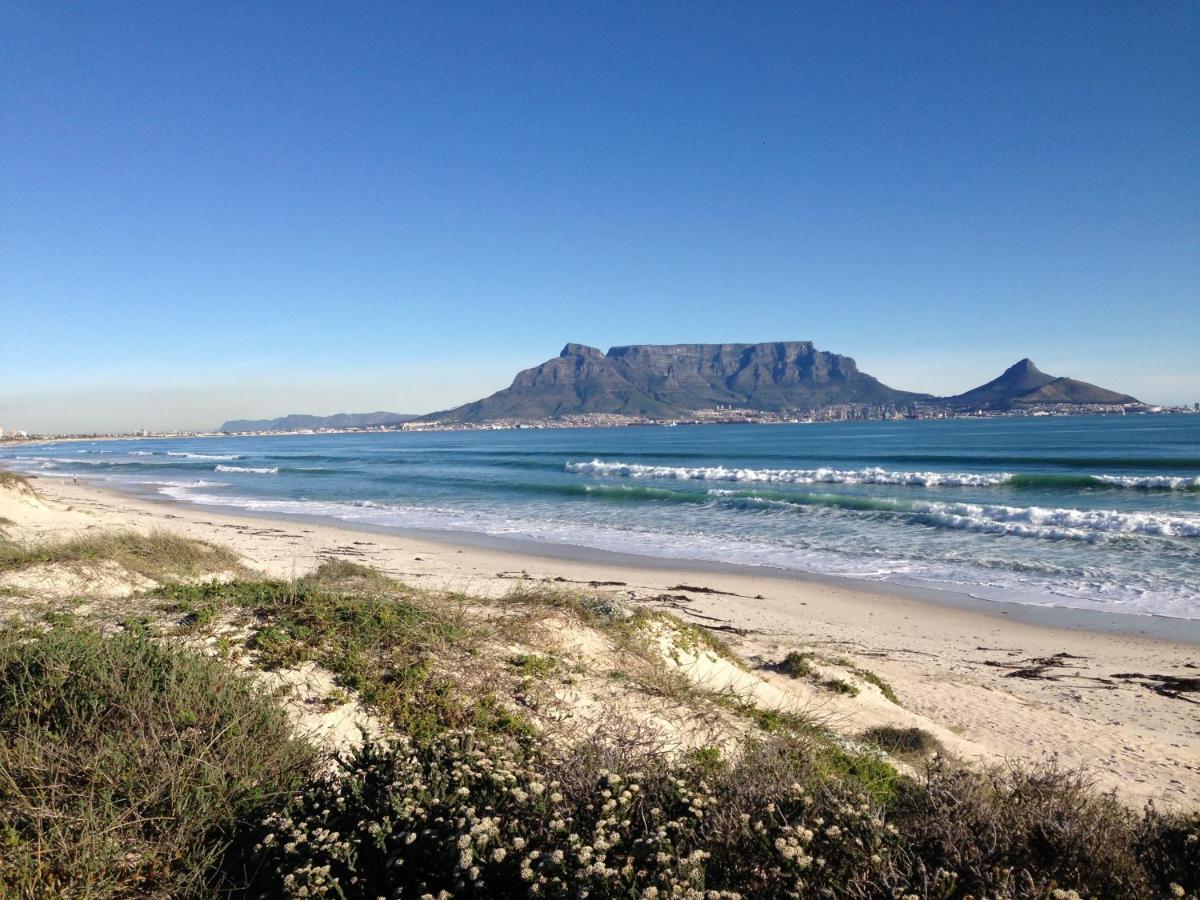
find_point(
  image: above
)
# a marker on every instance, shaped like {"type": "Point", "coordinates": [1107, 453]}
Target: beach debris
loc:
{"type": "Point", "coordinates": [1174, 686]}
{"type": "Point", "coordinates": [337, 551]}
{"type": "Point", "coordinates": [595, 584]}
{"type": "Point", "coordinates": [672, 602]}
{"type": "Point", "coordinates": [1043, 668]}
{"type": "Point", "coordinates": [731, 629]}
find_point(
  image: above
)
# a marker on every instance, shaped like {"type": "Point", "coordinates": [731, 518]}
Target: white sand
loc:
{"type": "Point", "coordinates": [1129, 738]}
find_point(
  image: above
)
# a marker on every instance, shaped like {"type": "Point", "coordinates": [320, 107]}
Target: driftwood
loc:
{"type": "Point", "coordinates": [595, 584]}
{"type": "Point", "coordinates": [694, 589]}
{"type": "Point", "coordinates": [1043, 668]}
{"type": "Point", "coordinates": [1173, 686]}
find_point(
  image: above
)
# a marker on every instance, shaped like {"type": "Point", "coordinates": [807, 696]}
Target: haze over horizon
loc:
{"type": "Point", "coordinates": [241, 212]}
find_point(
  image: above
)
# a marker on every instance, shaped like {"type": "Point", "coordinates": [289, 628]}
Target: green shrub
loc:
{"type": "Point", "coordinates": [476, 816]}
{"type": "Point", "coordinates": [480, 817]}
{"type": "Point", "coordinates": [884, 686]}
{"type": "Point", "coordinates": [533, 665]}
{"type": "Point", "coordinates": [797, 665]}
{"type": "Point", "coordinates": [379, 639]}
{"type": "Point", "coordinates": [128, 766]}
{"type": "Point", "coordinates": [1169, 847]}
{"type": "Point", "coordinates": [839, 686]}
{"type": "Point", "coordinates": [902, 741]}
{"type": "Point", "coordinates": [1024, 833]}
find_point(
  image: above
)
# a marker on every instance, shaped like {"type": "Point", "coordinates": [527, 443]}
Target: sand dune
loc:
{"type": "Point", "coordinates": [988, 686]}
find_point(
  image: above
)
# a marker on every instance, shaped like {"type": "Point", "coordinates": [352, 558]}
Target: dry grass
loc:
{"type": "Point", "coordinates": [159, 556]}
{"type": "Point", "coordinates": [13, 481]}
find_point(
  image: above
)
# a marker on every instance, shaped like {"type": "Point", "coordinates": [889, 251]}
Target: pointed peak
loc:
{"type": "Point", "coordinates": [1025, 365]}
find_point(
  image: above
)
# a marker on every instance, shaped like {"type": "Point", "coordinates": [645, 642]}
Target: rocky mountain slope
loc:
{"type": "Point", "coordinates": [1023, 384]}
{"type": "Point", "coordinates": [667, 380]}
{"type": "Point", "coordinates": [664, 381]}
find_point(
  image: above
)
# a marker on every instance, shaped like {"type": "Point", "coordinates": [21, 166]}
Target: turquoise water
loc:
{"type": "Point", "coordinates": [1095, 513]}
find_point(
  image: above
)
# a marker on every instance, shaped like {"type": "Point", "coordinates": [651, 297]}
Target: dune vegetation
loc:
{"type": "Point", "coordinates": [546, 743]}
{"type": "Point", "coordinates": [159, 556]}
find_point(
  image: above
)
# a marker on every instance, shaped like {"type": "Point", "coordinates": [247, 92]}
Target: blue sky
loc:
{"type": "Point", "coordinates": [211, 210]}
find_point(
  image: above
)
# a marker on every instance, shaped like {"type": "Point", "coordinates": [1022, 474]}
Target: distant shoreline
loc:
{"type": "Point", "coordinates": [565, 424]}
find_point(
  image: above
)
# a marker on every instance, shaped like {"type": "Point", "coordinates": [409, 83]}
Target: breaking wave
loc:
{"type": "Point", "coordinates": [883, 476]}
{"type": "Point", "coordinates": [1023, 521]}
{"type": "Point", "coordinates": [254, 470]}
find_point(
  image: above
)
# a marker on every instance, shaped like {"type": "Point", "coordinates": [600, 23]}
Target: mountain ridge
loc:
{"type": "Point", "coordinates": [672, 380]}
{"type": "Point", "coordinates": [301, 421]}
{"type": "Point", "coordinates": [664, 381]}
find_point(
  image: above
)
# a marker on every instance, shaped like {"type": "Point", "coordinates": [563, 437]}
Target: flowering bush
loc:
{"type": "Point", "coordinates": [479, 816]}
{"type": "Point", "coordinates": [473, 818]}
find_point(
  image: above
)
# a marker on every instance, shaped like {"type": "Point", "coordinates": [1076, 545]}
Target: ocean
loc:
{"type": "Point", "coordinates": [1097, 513]}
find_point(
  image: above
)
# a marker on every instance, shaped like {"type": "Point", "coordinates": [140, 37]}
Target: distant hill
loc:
{"type": "Point", "coordinates": [304, 422]}
{"type": "Point", "coordinates": [1023, 384]}
{"type": "Point", "coordinates": [671, 380]}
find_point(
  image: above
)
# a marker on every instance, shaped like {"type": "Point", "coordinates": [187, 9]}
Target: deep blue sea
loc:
{"type": "Point", "coordinates": [1095, 513]}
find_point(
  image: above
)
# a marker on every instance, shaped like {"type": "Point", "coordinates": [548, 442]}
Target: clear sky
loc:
{"type": "Point", "coordinates": [214, 210]}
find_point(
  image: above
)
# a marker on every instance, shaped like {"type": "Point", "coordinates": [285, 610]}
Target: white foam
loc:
{"type": "Point", "coordinates": [75, 460]}
{"type": "Point", "coordinates": [789, 476]}
{"type": "Point", "coordinates": [197, 483]}
{"type": "Point", "coordinates": [856, 476]}
{"type": "Point", "coordinates": [1113, 592]}
{"type": "Point", "coordinates": [211, 456]}
{"type": "Point", "coordinates": [263, 470]}
{"type": "Point", "coordinates": [1023, 521]}
{"type": "Point", "coordinates": [1036, 521]}
{"type": "Point", "coordinates": [1168, 482]}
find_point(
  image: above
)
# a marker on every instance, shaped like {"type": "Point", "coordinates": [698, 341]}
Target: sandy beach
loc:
{"type": "Point", "coordinates": [990, 685]}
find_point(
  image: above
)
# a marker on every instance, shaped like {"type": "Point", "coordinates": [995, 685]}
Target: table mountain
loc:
{"type": "Point", "coordinates": [669, 380]}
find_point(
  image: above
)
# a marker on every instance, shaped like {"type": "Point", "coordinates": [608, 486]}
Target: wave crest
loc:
{"type": "Point", "coordinates": [882, 476]}
{"type": "Point", "coordinates": [1023, 521]}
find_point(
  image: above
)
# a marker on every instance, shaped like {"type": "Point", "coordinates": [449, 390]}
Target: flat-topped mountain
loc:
{"type": "Point", "coordinates": [664, 381]}
{"type": "Point", "coordinates": [1023, 384]}
{"type": "Point", "coordinates": [297, 422]}
{"type": "Point", "coordinates": [674, 379]}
